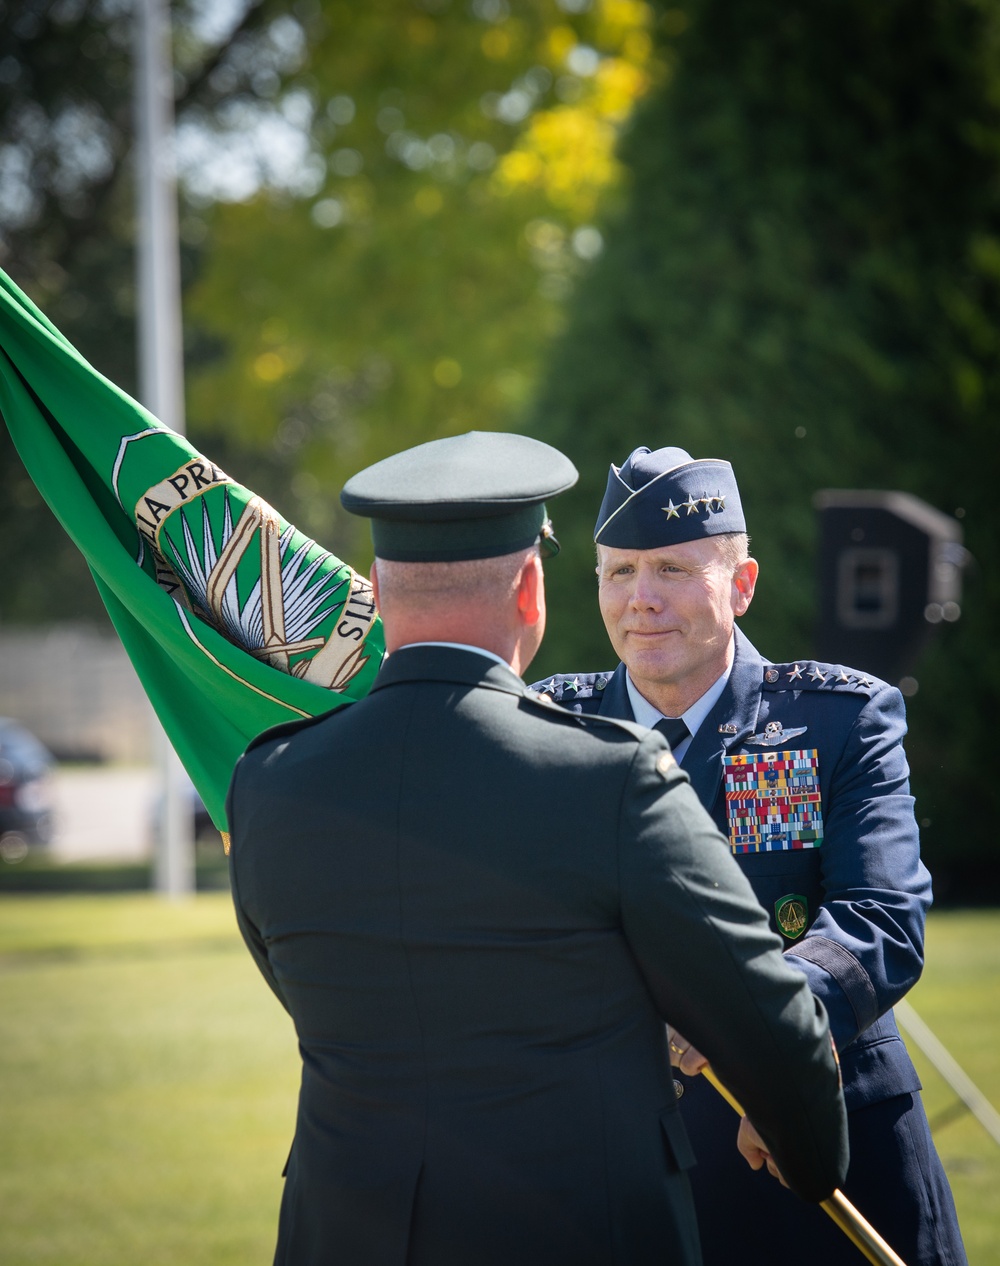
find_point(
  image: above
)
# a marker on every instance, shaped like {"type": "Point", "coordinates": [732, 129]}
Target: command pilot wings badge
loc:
{"type": "Point", "coordinates": [773, 734]}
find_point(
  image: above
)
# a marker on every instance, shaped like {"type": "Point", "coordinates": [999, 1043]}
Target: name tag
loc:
{"type": "Point", "coordinates": [773, 801]}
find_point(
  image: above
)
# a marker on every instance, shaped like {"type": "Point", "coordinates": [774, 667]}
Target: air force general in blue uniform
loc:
{"type": "Point", "coordinates": [802, 767]}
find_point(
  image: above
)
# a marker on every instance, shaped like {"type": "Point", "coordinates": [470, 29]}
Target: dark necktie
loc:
{"type": "Point", "coordinates": [673, 730]}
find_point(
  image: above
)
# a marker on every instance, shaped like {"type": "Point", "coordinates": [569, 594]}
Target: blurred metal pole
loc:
{"type": "Point", "coordinates": [161, 364]}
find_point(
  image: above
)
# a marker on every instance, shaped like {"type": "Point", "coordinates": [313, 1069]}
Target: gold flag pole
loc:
{"type": "Point", "coordinates": [861, 1233]}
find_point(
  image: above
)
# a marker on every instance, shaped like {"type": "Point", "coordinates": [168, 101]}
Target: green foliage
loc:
{"type": "Point", "coordinates": [67, 228]}
{"type": "Point", "coordinates": [380, 209]}
{"type": "Point", "coordinates": [805, 281]}
{"type": "Point", "coordinates": [412, 293]}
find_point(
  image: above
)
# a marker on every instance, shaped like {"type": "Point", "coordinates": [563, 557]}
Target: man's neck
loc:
{"type": "Point", "coordinates": [673, 699]}
{"type": "Point", "coordinates": [649, 715]}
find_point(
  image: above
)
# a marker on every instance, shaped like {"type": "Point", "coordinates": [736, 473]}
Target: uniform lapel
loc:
{"type": "Point", "coordinates": [614, 699]}
{"type": "Point", "coordinates": [732, 720]}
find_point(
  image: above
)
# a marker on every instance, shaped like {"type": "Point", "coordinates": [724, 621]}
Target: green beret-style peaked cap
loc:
{"type": "Point", "coordinates": [477, 495]}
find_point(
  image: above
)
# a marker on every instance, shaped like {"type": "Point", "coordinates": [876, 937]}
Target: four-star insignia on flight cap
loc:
{"type": "Point", "coordinates": [661, 498]}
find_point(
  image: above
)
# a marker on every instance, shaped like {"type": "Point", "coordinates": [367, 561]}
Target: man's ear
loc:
{"type": "Point", "coordinates": [744, 582]}
{"type": "Point", "coordinates": [529, 591]}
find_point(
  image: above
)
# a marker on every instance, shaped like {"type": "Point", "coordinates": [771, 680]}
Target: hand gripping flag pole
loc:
{"type": "Point", "coordinates": [861, 1233]}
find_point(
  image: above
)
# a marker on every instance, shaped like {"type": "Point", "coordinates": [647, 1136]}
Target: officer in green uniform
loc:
{"type": "Point", "coordinates": [478, 909]}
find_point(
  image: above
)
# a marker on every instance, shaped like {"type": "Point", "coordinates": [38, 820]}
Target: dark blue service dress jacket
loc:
{"type": "Point", "coordinates": [477, 909]}
{"type": "Point", "coordinates": [802, 767]}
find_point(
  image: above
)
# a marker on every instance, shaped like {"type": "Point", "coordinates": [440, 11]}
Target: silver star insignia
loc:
{"type": "Point", "coordinates": [864, 681]}
{"type": "Point", "coordinates": [705, 500]}
{"type": "Point", "coordinates": [549, 686]}
{"type": "Point", "coordinates": [691, 505]}
{"type": "Point", "coordinates": [844, 677]}
{"type": "Point", "coordinates": [572, 685]}
{"type": "Point", "coordinates": [720, 500]}
{"type": "Point", "coordinates": [795, 674]}
{"type": "Point", "coordinates": [817, 673]}
{"type": "Point", "coordinates": [670, 510]}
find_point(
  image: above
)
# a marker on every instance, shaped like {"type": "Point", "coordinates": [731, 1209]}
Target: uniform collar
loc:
{"type": "Point", "coordinates": [463, 646]}
{"type": "Point", "coordinates": [459, 664]}
{"type": "Point", "coordinates": [646, 714]}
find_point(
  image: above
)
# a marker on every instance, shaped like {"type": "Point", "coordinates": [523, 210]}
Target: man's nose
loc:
{"type": "Point", "coordinates": [644, 595]}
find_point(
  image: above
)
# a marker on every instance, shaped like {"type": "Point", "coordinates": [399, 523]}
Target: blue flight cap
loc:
{"type": "Point", "coordinates": [666, 497]}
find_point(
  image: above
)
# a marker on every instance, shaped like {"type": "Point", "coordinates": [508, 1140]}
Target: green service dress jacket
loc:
{"type": "Point", "coordinates": [478, 908]}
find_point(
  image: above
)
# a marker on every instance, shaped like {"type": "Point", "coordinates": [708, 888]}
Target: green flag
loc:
{"type": "Point", "coordinates": [233, 619]}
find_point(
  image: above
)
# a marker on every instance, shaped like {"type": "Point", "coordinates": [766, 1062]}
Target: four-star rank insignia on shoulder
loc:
{"type": "Point", "coordinates": [773, 800]}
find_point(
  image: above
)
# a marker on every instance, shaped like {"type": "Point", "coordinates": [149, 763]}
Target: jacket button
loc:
{"type": "Point", "coordinates": [678, 1090]}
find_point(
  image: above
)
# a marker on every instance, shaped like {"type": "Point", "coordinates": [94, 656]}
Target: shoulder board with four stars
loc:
{"type": "Point", "coordinates": [811, 674]}
{"type": "Point", "coordinates": [567, 688]}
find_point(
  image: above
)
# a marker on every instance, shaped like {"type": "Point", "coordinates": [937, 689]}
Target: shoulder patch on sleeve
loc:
{"type": "Point", "coordinates": [665, 763]}
{"type": "Point", "coordinates": [811, 674]}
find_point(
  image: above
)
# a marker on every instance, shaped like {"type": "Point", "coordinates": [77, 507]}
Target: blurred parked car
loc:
{"type": "Point", "coordinates": [26, 792]}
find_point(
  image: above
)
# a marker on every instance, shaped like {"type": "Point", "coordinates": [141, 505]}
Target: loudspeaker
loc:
{"type": "Point", "coordinates": [890, 572]}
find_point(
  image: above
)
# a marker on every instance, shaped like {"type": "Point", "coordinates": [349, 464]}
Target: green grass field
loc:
{"type": "Point", "coordinates": [148, 1081]}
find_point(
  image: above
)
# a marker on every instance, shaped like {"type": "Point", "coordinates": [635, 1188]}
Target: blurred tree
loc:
{"type": "Point", "coordinates": [457, 154]}
{"type": "Point", "coordinates": [66, 218]}
{"type": "Point", "coordinates": [806, 280]}
{"type": "Point", "coordinates": [383, 206]}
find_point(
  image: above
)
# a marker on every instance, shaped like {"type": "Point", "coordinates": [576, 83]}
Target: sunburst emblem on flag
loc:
{"type": "Point", "coordinates": [284, 607]}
